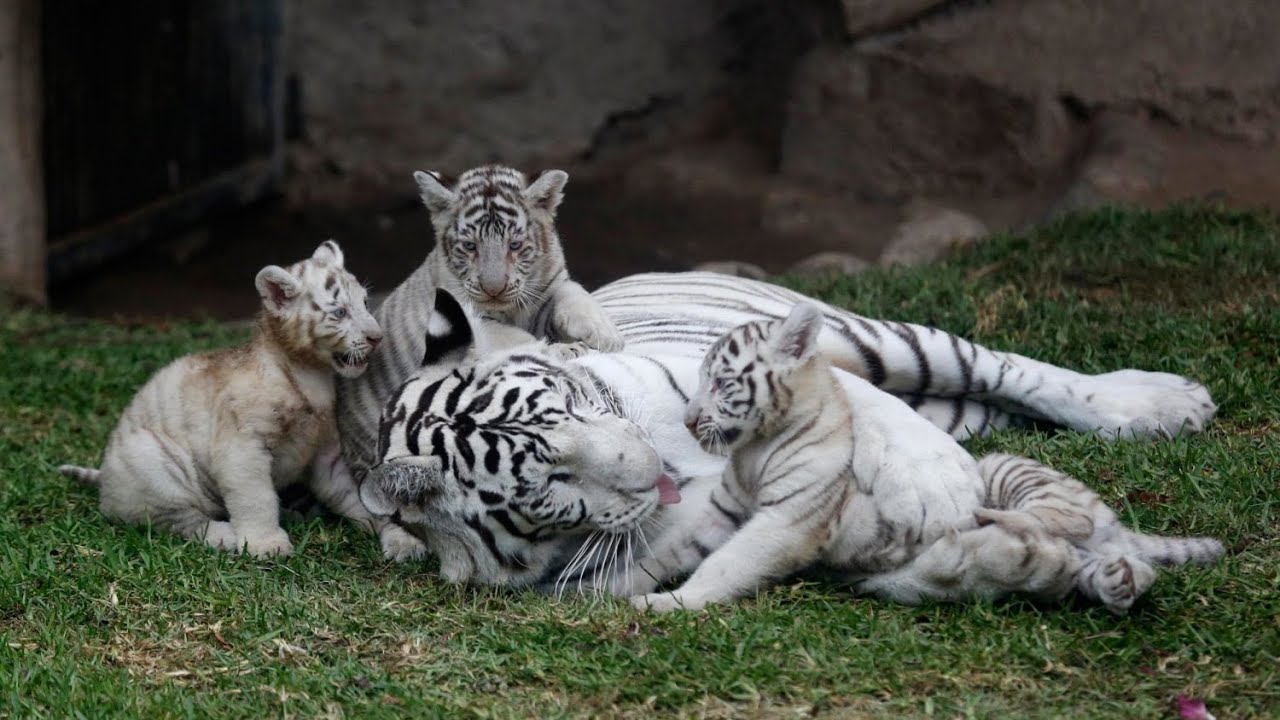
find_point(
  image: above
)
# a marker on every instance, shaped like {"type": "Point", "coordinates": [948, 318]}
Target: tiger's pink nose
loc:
{"type": "Point", "coordinates": [373, 340]}
{"type": "Point", "coordinates": [692, 426]}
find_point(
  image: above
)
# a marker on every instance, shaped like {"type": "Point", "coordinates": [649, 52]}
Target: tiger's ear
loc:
{"type": "Point", "coordinates": [328, 254]}
{"type": "Point", "coordinates": [547, 191]}
{"type": "Point", "coordinates": [434, 194]}
{"type": "Point", "coordinates": [796, 341]}
{"type": "Point", "coordinates": [277, 287]}
{"type": "Point", "coordinates": [412, 480]}
{"type": "Point", "coordinates": [449, 333]}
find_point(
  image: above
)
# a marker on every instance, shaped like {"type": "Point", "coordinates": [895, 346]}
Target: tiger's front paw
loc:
{"type": "Point", "coordinates": [587, 323]}
{"type": "Point", "coordinates": [1134, 404]}
{"type": "Point", "coordinates": [664, 602]}
{"type": "Point", "coordinates": [274, 543]}
{"type": "Point", "coordinates": [566, 351]}
{"type": "Point", "coordinates": [400, 545]}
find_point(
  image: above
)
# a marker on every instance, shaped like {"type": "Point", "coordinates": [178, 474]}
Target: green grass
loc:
{"type": "Point", "coordinates": [100, 619]}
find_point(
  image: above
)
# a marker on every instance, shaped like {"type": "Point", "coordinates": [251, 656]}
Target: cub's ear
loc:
{"type": "Point", "coordinates": [328, 254]}
{"type": "Point", "coordinates": [413, 480]}
{"type": "Point", "coordinates": [277, 287]}
{"type": "Point", "coordinates": [449, 333]}
{"type": "Point", "coordinates": [547, 191]}
{"type": "Point", "coordinates": [797, 339]}
{"type": "Point", "coordinates": [434, 194]}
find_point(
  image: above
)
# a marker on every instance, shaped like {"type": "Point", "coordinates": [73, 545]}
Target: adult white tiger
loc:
{"type": "Point", "coordinates": [506, 464]}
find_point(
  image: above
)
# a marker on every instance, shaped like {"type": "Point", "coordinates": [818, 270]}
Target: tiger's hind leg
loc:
{"type": "Point", "coordinates": [1116, 580]}
{"type": "Point", "coordinates": [988, 562]}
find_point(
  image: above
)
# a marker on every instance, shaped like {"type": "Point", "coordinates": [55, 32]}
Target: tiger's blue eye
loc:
{"type": "Point", "coordinates": [468, 245]}
{"type": "Point", "coordinates": [516, 244]}
{"type": "Point", "coordinates": [339, 313]}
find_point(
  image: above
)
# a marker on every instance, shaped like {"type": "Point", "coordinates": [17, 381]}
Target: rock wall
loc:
{"type": "Point", "coordinates": [826, 124]}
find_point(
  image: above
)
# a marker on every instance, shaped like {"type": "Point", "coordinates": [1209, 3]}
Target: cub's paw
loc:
{"type": "Point", "coordinates": [587, 323]}
{"type": "Point", "coordinates": [1119, 581]}
{"type": "Point", "coordinates": [666, 602]}
{"type": "Point", "coordinates": [566, 351]}
{"type": "Point", "coordinates": [274, 543]}
{"type": "Point", "coordinates": [1135, 404]}
{"type": "Point", "coordinates": [400, 545]}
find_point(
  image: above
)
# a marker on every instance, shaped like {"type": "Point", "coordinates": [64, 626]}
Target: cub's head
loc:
{"type": "Point", "coordinates": [318, 312]}
{"type": "Point", "coordinates": [746, 384]}
{"type": "Point", "coordinates": [496, 233]}
{"type": "Point", "coordinates": [498, 460]}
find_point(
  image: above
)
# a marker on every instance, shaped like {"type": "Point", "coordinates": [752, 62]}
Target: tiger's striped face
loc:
{"type": "Point", "coordinates": [497, 233]}
{"type": "Point", "coordinates": [745, 385]}
{"type": "Point", "coordinates": [509, 453]}
{"type": "Point", "coordinates": [318, 310]}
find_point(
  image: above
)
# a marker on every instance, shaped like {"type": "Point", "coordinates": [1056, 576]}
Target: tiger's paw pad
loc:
{"type": "Point", "coordinates": [399, 545]}
{"type": "Point", "coordinates": [1122, 582]}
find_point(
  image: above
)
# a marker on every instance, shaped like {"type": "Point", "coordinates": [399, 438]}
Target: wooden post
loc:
{"type": "Point", "coordinates": [22, 213]}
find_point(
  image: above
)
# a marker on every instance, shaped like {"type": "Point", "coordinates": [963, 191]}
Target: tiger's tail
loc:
{"type": "Point", "coordinates": [1172, 551]}
{"type": "Point", "coordinates": [86, 475]}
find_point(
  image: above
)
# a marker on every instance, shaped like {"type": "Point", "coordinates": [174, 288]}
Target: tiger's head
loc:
{"type": "Point", "coordinates": [318, 312]}
{"type": "Point", "coordinates": [747, 380]}
{"type": "Point", "coordinates": [500, 458]}
{"type": "Point", "coordinates": [496, 234]}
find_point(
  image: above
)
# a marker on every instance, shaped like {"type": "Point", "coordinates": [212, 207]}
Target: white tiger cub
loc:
{"type": "Point", "coordinates": [203, 447]}
{"type": "Point", "coordinates": [826, 469]}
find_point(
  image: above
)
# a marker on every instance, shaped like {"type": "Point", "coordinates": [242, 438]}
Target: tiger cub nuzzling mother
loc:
{"type": "Point", "coordinates": [827, 470]}
{"type": "Point", "coordinates": [205, 444]}
{"type": "Point", "coordinates": [497, 250]}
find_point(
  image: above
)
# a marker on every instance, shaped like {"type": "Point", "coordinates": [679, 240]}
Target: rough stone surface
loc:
{"type": "Point", "coordinates": [930, 233]}
{"type": "Point", "coordinates": [825, 264]}
{"type": "Point", "coordinates": [863, 16]}
{"type": "Point", "coordinates": [399, 86]}
{"type": "Point", "coordinates": [736, 268]}
{"type": "Point", "coordinates": [1006, 98]}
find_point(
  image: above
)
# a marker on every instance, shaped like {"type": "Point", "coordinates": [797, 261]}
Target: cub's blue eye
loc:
{"type": "Point", "coordinates": [468, 245]}
{"type": "Point", "coordinates": [339, 313]}
{"type": "Point", "coordinates": [516, 244]}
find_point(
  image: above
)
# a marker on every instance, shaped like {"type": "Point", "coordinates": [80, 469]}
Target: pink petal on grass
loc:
{"type": "Point", "coordinates": [1193, 709]}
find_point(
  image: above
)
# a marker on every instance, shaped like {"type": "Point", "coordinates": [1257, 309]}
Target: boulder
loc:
{"type": "Point", "coordinates": [929, 233]}
{"type": "Point", "coordinates": [826, 264]}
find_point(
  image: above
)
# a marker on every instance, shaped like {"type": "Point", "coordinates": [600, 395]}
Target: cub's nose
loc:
{"type": "Point", "coordinates": [373, 339]}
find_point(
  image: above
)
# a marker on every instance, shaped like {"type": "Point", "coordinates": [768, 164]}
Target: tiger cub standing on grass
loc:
{"type": "Point", "coordinates": [203, 447]}
{"type": "Point", "coordinates": [828, 470]}
{"type": "Point", "coordinates": [497, 251]}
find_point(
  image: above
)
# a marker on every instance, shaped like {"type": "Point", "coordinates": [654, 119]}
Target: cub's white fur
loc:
{"type": "Point", "coordinates": [206, 443]}
{"type": "Point", "coordinates": [825, 469]}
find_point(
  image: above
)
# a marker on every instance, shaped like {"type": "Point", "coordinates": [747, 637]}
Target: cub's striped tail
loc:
{"type": "Point", "coordinates": [1172, 551]}
{"type": "Point", "coordinates": [86, 475]}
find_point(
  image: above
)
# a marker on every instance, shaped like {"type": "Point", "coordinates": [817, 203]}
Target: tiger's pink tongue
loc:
{"type": "Point", "coordinates": [668, 493]}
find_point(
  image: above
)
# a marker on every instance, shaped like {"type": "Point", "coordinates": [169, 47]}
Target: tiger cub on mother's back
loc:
{"type": "Point", "coordinates": [203, 447]}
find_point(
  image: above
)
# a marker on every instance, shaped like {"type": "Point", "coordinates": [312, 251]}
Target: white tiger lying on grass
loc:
{"type": "Point", "coordinates": [521, 469]}
{"type": "Point", "coordinates": [826, 470]}
{"type": "Point", "coordinates": [203, 447]}
{"type": "Point", "coordinates": [498, 251]}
